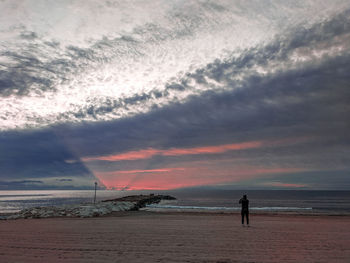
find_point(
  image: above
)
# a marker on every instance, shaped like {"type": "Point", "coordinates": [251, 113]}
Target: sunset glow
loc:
{"type": "Point", "coordinates": [169, 94]}
{"type": "Point", "coordinates": [172, 178]}
{"type": "Point", "coordinates": [174, 131]}
{"type": "Point", "coordinates": [148, 153]}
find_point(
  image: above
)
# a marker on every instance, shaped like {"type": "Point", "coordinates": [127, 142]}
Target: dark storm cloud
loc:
{"type": "Point", "coordinates": [320, 38]}
{"type": "Point", "coordinates": [38, 154]}
{"type": "Point", "coordinates": [21, 184]}
{"type": "Point", "coordinates": [64, 180]}
{"type": "Point", "coordinates": [300, 103]}
{"type": "Point", "coordinates": [40, 185]}
{"type": "Point", "coordinates": [307, 99]}
{"type": "Point", "coordinates": [29, 182]}
{"type": "Point", "coordinates": [310, 99]}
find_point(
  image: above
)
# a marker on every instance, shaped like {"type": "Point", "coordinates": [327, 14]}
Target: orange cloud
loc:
{"type": "Point", "coordinates": [172, 178]}
{"type": "Point", "coordinates": [140, 171]}
{"type": "Point", "coordinates": [212, 149]}
{"type": "Point", "coordinates": [132, 155]}
{"type": "Point", "coordinates": [150, 152]}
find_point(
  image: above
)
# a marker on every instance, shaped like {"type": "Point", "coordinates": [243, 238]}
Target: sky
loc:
{"type": "Point", "coordinates": [163, 94]}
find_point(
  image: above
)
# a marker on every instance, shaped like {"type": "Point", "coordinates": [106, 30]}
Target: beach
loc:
{"type": "Point", "coordinates": [142, 236]}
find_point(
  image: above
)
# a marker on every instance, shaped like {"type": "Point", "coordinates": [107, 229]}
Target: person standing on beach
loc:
{"type": "Point", "coordinates": [245, 209]}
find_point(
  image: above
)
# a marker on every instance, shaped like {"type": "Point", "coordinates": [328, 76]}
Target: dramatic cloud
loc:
{"type": "Point", "coordinates": [145, 154]}
{"type": "Point", "coordinates": [174, 94]}
{"type": "Point", "coordinates": [162, 179]}
{"type": "Point", "coordinates": [60, 66]}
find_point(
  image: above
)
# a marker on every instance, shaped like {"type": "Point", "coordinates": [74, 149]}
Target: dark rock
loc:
{"type": "Point", "coordinates": [127, 203]}
{"type": "Point", "coordinates": [142, 200]}
{"type": "Point", "coordinates": [95, 214]}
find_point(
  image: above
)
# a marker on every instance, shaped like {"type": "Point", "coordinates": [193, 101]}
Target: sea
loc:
{"type": "Point", "coordinates": [225, 201]}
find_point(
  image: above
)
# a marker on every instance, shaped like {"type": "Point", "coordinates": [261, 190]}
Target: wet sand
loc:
{"type": "Point", "coordinates": [177, 237]}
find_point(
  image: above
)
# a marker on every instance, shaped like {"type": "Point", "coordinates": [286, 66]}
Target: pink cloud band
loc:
{"type": "Point", "coordinates": [150, 152]}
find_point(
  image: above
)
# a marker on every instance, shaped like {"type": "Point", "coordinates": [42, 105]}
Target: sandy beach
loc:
{"type": "Point", "coordinates": [177, 237]}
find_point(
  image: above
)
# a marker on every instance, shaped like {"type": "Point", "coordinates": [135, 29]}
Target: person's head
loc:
{"type": "Point", "coordinates": [244, 196]}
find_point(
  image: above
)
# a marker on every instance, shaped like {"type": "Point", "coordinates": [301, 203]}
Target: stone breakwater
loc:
{"type": "Point", "coordinates": [127, 203]}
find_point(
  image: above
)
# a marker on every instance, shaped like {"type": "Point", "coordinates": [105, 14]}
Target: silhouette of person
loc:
{"type": "Point", "coordinates": [245, 209]}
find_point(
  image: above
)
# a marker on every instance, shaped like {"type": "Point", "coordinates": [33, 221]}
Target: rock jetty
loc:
{"type": "Point", "coordinates": [127, 203]}
{"type": "Point", "coordinates": [142, 200]}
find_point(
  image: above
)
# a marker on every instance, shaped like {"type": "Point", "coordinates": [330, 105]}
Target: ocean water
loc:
{"type": "Point", "coordinates": [300, 201]}
{"type": "Point", "coordinates": [329, 202]}
{"type": "Point", "coordinates": [14, 201]}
